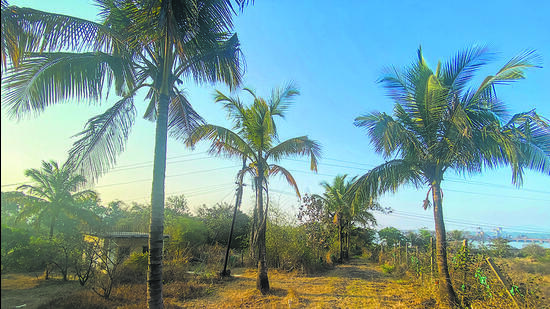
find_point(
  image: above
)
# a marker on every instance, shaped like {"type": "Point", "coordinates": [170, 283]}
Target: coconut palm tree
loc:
{"type": "Point", "coordinates": [54, 193]}
{"type": "Point", "coordinates": [154, 45]}
{"type": "Point", "coordinates": [255, 138]}
{"type": "Point", "coordinates": [345, 210]}
{"type": "Point", "coordinates": [441, 124]}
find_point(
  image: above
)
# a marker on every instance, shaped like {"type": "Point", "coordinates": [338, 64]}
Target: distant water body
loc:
{"type": "Point", "coordinates": [516, 244]}
{"type": "Point", "coordinates": [520, 245]}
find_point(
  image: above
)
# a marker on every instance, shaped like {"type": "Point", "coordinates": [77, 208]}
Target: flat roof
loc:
{"type": "Point", "coordinates": [123, 235]}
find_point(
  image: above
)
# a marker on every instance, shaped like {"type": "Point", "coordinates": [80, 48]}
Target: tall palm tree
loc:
{"type": "Point", "coordinates": [137, 44]}
{"type": "Point", "coordinates": [255, 138]}
{"type": "Point", "coordinates": [345, 210]}
{"type": "Point", "coordinates": [440, 124]}
{"type": "Point", "coordinates": [54, 193]}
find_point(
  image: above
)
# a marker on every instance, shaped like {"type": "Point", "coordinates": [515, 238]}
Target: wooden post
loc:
{"type": "Point", "coordinates": [399, 254]}
{"type": "Point", "coordinates": [465, 250]}
{"type": "Point", "coordinates": [406, 253]}
{"type": "Point", "coordinates": [502, 280]}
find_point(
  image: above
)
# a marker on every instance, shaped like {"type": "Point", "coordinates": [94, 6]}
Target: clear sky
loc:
{"type": "Point", "coordinates": [335, 52]}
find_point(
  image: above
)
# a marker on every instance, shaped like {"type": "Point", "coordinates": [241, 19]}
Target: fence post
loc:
{"type": "Point", "coordinates": [406, 254]}
{"type": "Point", "coordinates": [465, 270]}
{"type": "Point", "coordinates": [399, 253]}
{"type": "Point", "coordinates": [502, 280]}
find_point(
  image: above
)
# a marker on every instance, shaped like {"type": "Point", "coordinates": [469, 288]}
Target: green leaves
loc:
{"type": "Point", "coordinates": [438, 124]}
{"type": "Point", "coordinates": [45, 79]}
{"type": "Point", "coordinates": [255, 133]}
{"type": "Point", "coordinates": [103, 139]}
{"type": "Point", "coordinates": [54, 192]}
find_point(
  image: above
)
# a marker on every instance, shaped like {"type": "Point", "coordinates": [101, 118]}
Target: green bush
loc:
{"type": "Point", "coordinates": [387, 268]}
{"type": "Point", "coordinates": [287, 249]}
{"type": "Point", "coordinates": [138, 261]}
{"type": "Point", "coordinates": [534, 251]}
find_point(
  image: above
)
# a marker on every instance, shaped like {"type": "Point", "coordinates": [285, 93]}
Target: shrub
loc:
{"type": "Point", "coordinates": [81, 300]}
{"type": "Point", "coordinates": [387, 268]}
{"type": "Point", "coordinates": [130, 274]}
{"type": "Point", "coordinates": [534, 251]}
{"type": "Point", "coordinates": [183, 290]}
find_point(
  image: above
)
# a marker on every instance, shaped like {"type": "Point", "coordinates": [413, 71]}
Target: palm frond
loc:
{"type": "Point", "coordinates": [182, 118]}
{"type": "Point", "coordinates": [55, 32]}
{"type": "Point", "coordinates": [282, 98]}
{"type": "Point", "coordinates": [277, 169]}
{"type": "Point", "coordinates": [386, 177]}
{"type": "Point", "coordinates": [217, 61]}
{"type": "Point", "coordinates": [103, 139]}
{"type": "Point", "coordinates": [389, 136]}
{"type": "Point", "coordinates": [49, 78]}
{"type": "Point", "coordinates": [233, 106]}
{"type": "Point", "coordinates": [298, 146]}
{"type": "Point", "coordinates": [512, 71]}
{"type": "Point", "coordinates": [459, 70]}
{"type": "Point", "coordinates": [224, 141]}
{"type": "Point", "coordinates": [531, 133]}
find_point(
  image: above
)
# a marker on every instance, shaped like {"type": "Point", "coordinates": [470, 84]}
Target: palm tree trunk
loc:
{"type": "Point", "coordinates": [52, 224]}
{"type": "Point", "coordinates": [253, 230]}
{"type": "Point", "coordinates": [156, 229]}
{"type": "Point", "coordinates": [341, 258]}
{"type": "Point", "coordinates": [262, 282]}
{"type": "Point", "coordinates": [347, 244]}
{"type": "Point", "coordinates": [237, 203]}
{"type": "Point", "coordinates": [446, 292]}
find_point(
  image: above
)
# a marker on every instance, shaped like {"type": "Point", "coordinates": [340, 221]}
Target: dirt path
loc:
{"type": "Point", "coordinates": [354, 285]}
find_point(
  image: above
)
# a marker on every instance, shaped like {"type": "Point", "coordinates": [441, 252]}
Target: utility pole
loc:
{"type": "Point", "coordinates": [238, 200]}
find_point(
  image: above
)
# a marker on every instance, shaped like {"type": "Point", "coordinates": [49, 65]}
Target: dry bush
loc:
{"type": "Point", "coordinates": [81, 299]}
{"type": "Point", "coordinates": [130, 293]}
{"type": "Point", "coordinates": [128, 274]}
{"type": "Point", "coordinates": [183, 290]}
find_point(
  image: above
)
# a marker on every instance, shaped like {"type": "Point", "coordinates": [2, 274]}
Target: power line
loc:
{"type": "Point", "coordinates": [464, 222]}
{"type": "Point", "coordinates": [149, 163]}
{"type": "Point", "coordinates": [138, 165]}
{"type": "Point", "coordinates": [447, 179]}
{"type": "Point", "coordinates": [191, 192]}
{"type": "Point", "coordinates": [169, 176]}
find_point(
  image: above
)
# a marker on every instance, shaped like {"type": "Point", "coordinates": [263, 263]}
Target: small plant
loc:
{"type": "Point", "coordinates": [387, 268]}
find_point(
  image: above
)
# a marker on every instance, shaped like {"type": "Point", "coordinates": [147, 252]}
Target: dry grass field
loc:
{"type": "Point", "coordinates": [354, 285]}
{"type": "Point", "coordinates": [358, 284]}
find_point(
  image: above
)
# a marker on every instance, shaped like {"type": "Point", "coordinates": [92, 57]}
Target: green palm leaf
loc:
{"type": "Point", "coordinates": [298, 146]}
{"type": "Point", "coordinates": [103, 138]}
{"type": "Point", "coordinates": [49, 78]}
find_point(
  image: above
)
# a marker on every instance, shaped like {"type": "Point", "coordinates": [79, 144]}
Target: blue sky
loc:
{"type": "Point", "coordinates": [335, 54]}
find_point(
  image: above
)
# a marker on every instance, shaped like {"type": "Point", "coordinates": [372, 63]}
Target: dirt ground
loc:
{"type": "Point", "coordinates": [28, 292]}
{"type": "Point", "coordinates": [354, 285]}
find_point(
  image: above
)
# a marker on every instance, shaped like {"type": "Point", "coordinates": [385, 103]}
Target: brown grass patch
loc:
{"type": "Point", "coordinates": [19, 282]}
{"type": "Point", "coordinates": [27, 289]}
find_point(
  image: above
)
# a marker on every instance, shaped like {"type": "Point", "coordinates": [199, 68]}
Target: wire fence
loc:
{"type": "Point", "coordinates": [476, 277]}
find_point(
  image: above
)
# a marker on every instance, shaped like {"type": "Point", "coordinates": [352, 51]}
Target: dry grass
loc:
{"type": "Point", "coordinates": [28, 290]}
{"type": "Point", "coordinates": [355, 285]}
